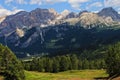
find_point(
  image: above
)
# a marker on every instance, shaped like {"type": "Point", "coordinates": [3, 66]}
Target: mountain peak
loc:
{"type": "Point", "coordinates": [65, 12]}
{"type": "Point", "coordinates": [71, 15]}
{"type": "Point", "coordinates": [51, 10]}
{"type": "Point", "coordinates": [109, 12]}
{"type": "Point", "coordinates": [82, 12]}
{"type": "Point", "coordinates": [108, 8]}
{"type": "Point", "coordinates": [87, 19]}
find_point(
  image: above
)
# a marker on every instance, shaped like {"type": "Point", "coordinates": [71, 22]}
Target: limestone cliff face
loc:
{"type": "Point", "coordinates": [20, 32]}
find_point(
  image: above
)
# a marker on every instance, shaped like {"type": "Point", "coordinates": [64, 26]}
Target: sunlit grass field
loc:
{"type": "Point", "coordinates": [1, 78]}
{"type": "Point", "coordinates": [67, 75]}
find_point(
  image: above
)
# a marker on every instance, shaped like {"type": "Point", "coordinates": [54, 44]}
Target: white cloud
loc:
{"type": "Point", "coordinates": [16, 11]}
{"type": "Point", "coordinates": [39, 2]}
{"type": "Point", "coordinates": [21, 1]}
{"type": "Point", "coordinates": [55, 1]}
{"type": "Point", "coordinates": [4, 12]}
{"type": "Point", "coordinates": [1, 7]}
{"type": "Point", "coordinates": [119, 10]}
{"type": "Point", "coordinates": [8, 1]}
{"type": "Point", "coordinates": [96, 4]}
{"type": "Point", "coordinates": [112, 3]}
{"type": "Point", "coordinates": [76, 4]}
{"type": "Point", "coordinates": [16, 1]}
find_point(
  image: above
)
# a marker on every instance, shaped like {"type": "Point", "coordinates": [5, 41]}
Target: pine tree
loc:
{"type": "Point", "coordinates": [74, 62]}
{"type": "Point", "coordinates": [64, 63]}
{"type": "Point", "coordinates": [40, 67]}
{"type": "Point", "coordinates": [48, 65]}
{"type": "Point", "coordinates": [85, 64]}
{"type": "Point", "coordinates": [55, 65]}
{"type": "Point", "coordinates": [79, 64]}
{"type": "Point", "coordinates": [34, 65]}
{"type": "Point", "coordinates": [113, 60]}
{"type": "Point", "coordinates": [10, 65]}
{"type": "Point", "coordinates": [92, 65]}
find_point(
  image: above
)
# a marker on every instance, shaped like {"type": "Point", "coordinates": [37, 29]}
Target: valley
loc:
{"type": "Point", "coordinates": [43, 44]}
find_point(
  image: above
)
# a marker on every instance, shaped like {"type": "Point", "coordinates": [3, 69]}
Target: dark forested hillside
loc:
{"type": "Point", "coordinates": [66, 39]}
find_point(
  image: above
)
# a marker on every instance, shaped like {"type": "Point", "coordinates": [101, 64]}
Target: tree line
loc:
{"type": "Point", "coordinates": [62, 63]}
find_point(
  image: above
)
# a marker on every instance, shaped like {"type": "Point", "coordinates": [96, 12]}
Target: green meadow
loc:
{"type": "Point", "coordinates": [67, 75]}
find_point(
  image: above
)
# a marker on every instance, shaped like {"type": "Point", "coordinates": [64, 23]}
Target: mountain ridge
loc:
{"type": "Point", "coordinates": [52, 16]}
{"type": "Point", "coordinates": [46, 31]}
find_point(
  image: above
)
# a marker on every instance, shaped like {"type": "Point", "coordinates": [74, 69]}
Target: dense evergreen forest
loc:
{"type": "Point", "coordinates": [63, 63]}
{"type": "Point", "coordinates": [106, 57]}
{"type": "Point", "coordinates": [12, 68]}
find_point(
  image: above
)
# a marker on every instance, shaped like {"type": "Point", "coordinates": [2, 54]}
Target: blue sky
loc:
{"type": "Point", "coordinates": [12, 6]}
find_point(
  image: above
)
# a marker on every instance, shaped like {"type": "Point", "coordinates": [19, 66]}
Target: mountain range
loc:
{"type": "Point", "coordinates": [46, 31]}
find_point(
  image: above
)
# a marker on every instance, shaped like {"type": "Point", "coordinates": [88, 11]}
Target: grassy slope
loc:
{"type": "Point", "coordinates": [67, 75]}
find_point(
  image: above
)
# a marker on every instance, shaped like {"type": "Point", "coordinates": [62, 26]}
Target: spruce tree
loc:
{"type": "Point", "coordinates": [10, 66]}
{"type": "Point", "coordinates": [74, 62]}
{"type": "Point", "coordinates": [55, 65]}
{"type": "Point", "coordinates": [113, 60]}
{"type": "Point", "coordinates": [48, 65]}
{"type": "Point", "coordinates": [64, 63]}
{"type": "Point", "coordinates": [40, 65]}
